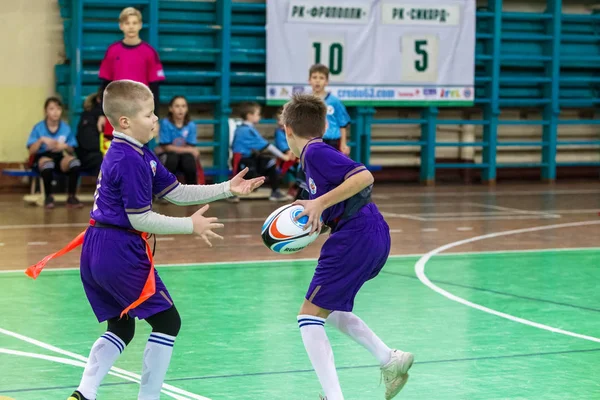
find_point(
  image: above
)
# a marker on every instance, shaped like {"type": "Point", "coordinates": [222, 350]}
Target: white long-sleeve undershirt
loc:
{"type": "Point", "coordinates": [182, 195]}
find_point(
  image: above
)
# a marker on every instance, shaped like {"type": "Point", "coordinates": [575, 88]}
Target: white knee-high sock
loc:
{"type": "Point", "coordinates": [356, 328]}
{"type": "Point", "coordinates": [319, 351]}
{"type": "Point", "coordinates": [103, 355]}
{"type": "Point", "coordinates": [157, 357]}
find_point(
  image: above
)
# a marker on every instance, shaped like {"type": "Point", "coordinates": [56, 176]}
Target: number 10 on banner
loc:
{"type": "Point", "coordinates": [330, 52]}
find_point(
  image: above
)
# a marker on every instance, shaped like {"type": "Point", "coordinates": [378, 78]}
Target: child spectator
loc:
{"type": "Point", "coordinates": [178, 141]}
{"type": "Point", "coordinates": [52, 144]}
{"type": "Point", "coordinates": [130, 58]}
{"type": "Point", "coordinates": [289, 169]}
{"type": "Point", "coordinates": [254, 150]}
{"type": "Point", "coordinates": [88, 138]}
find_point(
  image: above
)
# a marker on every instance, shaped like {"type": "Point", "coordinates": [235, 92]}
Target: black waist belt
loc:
{"type": "Point", "coordinates": [101, 225]}
{"type": "Point", "coordinates": [352, 206]}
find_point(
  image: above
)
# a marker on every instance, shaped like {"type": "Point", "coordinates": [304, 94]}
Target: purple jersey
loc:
{"type": "Point", "coordinates": [130, 174]}
{"type": "Point", "coordinates": [325, 169]}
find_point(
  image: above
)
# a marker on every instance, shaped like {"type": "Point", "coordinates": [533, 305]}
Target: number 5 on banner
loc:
{"type": "Point", "coordinates": [330, 52]}
{"type": "Point", "coordinates": [419, 55]}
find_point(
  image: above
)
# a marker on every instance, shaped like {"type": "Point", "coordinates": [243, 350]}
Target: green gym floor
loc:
{"type": "Point", "coordinates": [495, 291]}
{"type": "Point", "coordinates": [240, 339]}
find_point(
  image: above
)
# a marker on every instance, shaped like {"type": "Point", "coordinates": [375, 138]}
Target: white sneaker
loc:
{"type": "Point", "coordinates": [395, 372]}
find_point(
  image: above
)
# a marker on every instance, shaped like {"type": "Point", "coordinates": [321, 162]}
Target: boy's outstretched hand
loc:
{"type": "Point", "coordinates": [203, 226]}
{"type": "Point", "coordinates": [241, 187]}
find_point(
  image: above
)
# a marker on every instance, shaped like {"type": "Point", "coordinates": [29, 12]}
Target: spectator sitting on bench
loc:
{"type": "Point", "coordinates": [88, 136]}
{"type": "Point", "coordinates": [177, 141]}
{"type": "Point", "coordinates": [256, 153]}
{"type": "Point", "coordinates": [51, 143]}
{"type": "Point", "coordinates": [289, 168]}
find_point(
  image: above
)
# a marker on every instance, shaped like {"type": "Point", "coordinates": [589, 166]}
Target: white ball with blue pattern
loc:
{"type": "Point", "coordinates": [283, 235]}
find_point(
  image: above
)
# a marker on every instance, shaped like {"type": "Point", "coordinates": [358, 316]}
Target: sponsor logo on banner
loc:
{"type": "Point", "coordinates": [403, 93]}
{"type": "Point", "coordinates": [333, 12]}
{"type": "Point", "coordinates": [297, 89]}
{"type": "Point", "coordinates": [284, 92]}
{"type": "Point", "coordinates": [430, 92]}
{"type": "Point", "coordinates": [420, 14]}
{"type": "Point", "coordinates": [272, 91]}
{"type": "Point", "coordinates": [467, 93]}
{"type": "Point", "coordinates": [450, 94]}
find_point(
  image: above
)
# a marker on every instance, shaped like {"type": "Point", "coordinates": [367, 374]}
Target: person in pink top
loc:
{"type": "Point", "coordinates": [130, 58]}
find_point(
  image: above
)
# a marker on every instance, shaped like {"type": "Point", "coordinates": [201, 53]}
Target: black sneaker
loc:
{"type": "Point", "coordinates": [77, 396]}
{"type": "Point", "coordinates": [73, 202]}
{"type": "Point", "coordinates": [49, 202]}
{"type": "Point", "coordinates": [277, 196]}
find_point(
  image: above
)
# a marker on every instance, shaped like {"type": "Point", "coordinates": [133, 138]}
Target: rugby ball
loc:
{"type": "Point", "coordinates": [282, 234]}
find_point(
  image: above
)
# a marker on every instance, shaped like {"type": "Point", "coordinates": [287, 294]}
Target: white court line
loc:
{"type": "Point", "coordinates": [394, 215]}
{"type": "Point", "coordinates": [83, 225]}
{"type": "Point", "coordinates": [242, 236]}
{"type": "Point", "coordinates": [577, 211]}
{"type": "Point", "coordinates": [429, 230]}
{"type": "Point", "coordinates": [420, 271]}
{"type": "Point", "coordinates": [84, 359]}
{"type": "Point", "coordinates": [68, 361]}
{"type": "Point", "coordinates": [464, 228]}
{"type": "Point", "coordinates": [292, 260]}
{"type": "Point", "coordinates": [37, 243]}
{"type": "Point", "coordinates": [421, 204]}
{"type": "Point", "coordinates": [395, 230]}
{"type": "Point", "coordinates": [165, 239]}
{"type": "Point", "coordinates": [516, 210]}
{"type": "Point", "coordinates": [457, 214]}
{"type": "Point", "coordinates": [36, 226]}
{"type": "Point", "coordinates": [491, 218]}
{"type": "Point", "coordinates": [494, 193]}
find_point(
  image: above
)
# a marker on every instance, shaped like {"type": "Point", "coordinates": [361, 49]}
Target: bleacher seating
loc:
{"type": "Point", "coordinates": [537, 83]}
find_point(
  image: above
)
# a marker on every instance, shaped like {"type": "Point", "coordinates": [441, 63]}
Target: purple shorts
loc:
{"type": "Point", "coordinates": [114, 268]}
{"type": "Point", "coordinates": [352, 255]}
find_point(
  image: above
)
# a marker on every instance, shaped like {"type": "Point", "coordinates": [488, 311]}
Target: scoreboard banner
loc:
{"type": "Point", "coordinates": [379, 52]}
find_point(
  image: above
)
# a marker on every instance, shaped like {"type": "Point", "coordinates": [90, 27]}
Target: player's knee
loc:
{"type": "Point", "coordinates": [46, 164]}
{"type": "Point", "coordinates": [167, 322]}
{"type": "Point", "coordinates": [124, 328]}
{"type": "Point", "coordinates": [309, 308]}
{"type": "Point", "coordinates": [74, 165]}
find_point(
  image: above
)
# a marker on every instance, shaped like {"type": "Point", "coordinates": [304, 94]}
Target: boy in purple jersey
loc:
{"type": "Point", "coordinates": [117, 270]}
{"type": "Point", "coordinates": [359, 245]}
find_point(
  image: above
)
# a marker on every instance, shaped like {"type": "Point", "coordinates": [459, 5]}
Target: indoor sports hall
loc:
{"type": "Point", "coordinates": [483, 137]}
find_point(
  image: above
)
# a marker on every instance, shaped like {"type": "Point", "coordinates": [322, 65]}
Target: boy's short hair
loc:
{"type": "Point", "coordinates": [318, 68]}
{"type": "Point", "coordinates": [128, 12]}
{"type": "Point", "coordinates": [247, 108]}
{"type": "Point", "coordinates": [306, 115]}
{"type": "Point", "coordinates": [123, 98]}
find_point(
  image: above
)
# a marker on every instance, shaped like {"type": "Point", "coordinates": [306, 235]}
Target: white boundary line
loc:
{"type": "Point", "coordinates": [493, 193]}
{"type": "Point", "coordinates": [509, 209]}
{"type": "Point", "coordinates": [84, 359]}
{"type": "Point", "coordinates": [420, 271]}
{"type": "Point", "coordinates": [291, 260]}
{"type": "Point", "coordinates": [68, 361]}
{"type": "Point", "coordinates": [83, 225]}
{"type": "Point", "coordinates": [490, 217]}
